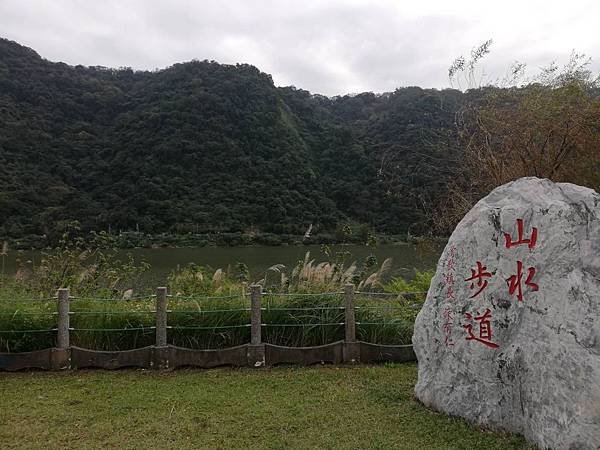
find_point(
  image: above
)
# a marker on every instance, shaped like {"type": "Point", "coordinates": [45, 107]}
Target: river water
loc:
{"type": "Point", "coordinates": [405, 257]}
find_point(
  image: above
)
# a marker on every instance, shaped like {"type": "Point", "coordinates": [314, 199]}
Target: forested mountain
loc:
{"type": "Point", "coordinates": [205, 147]}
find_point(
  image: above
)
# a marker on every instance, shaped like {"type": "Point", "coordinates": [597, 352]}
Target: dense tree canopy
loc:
{"type": "Point", "coordinates": [206, 147]}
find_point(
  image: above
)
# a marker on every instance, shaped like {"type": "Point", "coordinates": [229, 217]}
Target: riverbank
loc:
{"type": "Point", "coordinates": [134, 240]}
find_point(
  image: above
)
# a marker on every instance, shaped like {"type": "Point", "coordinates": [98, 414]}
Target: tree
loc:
{"type": "Point", "coordinates": [547, 128]}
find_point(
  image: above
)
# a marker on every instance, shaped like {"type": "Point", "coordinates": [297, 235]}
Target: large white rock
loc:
{"type": "Point", "coordinates": [529, 365]}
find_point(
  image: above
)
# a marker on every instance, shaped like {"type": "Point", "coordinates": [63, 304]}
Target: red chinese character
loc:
{"type": "Point", "coordinates": [531, 241]}
{"type": "Point", "coordinates": [514, 282]}
{"type": "Point", "coordinates": [448, 316]}
{"type": "Point", "coordinates": [479, 275]}
{"type": "Point", "coordinates": [485, 329]}
{"type": "Point", "coordinates": [452, 252]}
{"type": "Point", "coordinates": [447, 327]}
{"type": "Point", "coordinates": [449, 278]}
{"type": "Point", "coordinates": [450, 264]}
{"type": "Point", "coordinates": [450, 293]}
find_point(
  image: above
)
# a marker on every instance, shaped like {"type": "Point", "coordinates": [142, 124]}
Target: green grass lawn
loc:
{"type": "Point", "coordinates": [316, 407]}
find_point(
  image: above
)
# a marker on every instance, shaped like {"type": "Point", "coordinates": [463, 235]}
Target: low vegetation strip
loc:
{"type": "Point", "coordinates": [318, 407]}
{"type": "Point", "coordinates": [298, 320]}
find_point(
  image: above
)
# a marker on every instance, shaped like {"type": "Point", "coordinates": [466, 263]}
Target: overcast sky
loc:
{"type": "Point", "coordinates": [327, 47]}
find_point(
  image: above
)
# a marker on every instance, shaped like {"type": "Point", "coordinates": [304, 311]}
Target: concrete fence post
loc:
{"type": "Point", "coordinates": [256, 349]}
{"type": "Point", "coordinates": [351, 347]}
{"type": "Point", "coordinates": [161, 317]}
{"type": "Point", "coordinates": [255, 314]}
{"type": "Point", "coordinates": [350, 318]}
{"type": "Point", "coordinates": [62, 341]}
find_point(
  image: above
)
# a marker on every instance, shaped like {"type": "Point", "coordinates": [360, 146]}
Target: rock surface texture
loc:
{"type": "Point", "coordinates": [509, 335]}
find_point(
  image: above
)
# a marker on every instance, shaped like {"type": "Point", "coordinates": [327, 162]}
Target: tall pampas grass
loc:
{"type": "Point", "coordinates": [210, 309]}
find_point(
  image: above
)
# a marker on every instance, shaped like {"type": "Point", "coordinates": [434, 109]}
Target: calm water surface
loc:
{"type": "Point", "coordinates": [405, 257]}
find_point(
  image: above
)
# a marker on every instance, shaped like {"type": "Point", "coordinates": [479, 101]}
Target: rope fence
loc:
{"type": "Point", "coordinates": [390, 294]}
{"type": "Point", "coordinates": [33, 300]}
{"type": "Point", "coordinates": [201, 298]}
{"type": "Point", "coordinates": [208, 311]}
{"type": "Point", "coordinates": [301, 324]}
{"type": "Point", "coordinates": [222, 297]}
{"type": "Point", "coordinates": [376, 323]}
{"type": "Point", "coordinates": [30, 331]}
{"type": "Point", "coordinates": [258, 316]}
{"type": "Point", "coordinates": [113, 329]}
{"type": "Point", "coordinates": [308, 294]}
{"type": "Point", "coordinates": [313, 308]}
{"type": "Point", "coordinates": [110, 299]}
{"type": "Point", "coordinates": [22, 313]}
{"type": "Point", "coordinates": [107, 313]}
{"type": "Point", "coordinates": [380, 307]}
{"type": "Point", "coordinates": [178, 327]}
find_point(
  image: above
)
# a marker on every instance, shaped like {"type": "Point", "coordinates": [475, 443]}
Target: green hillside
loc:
{"type": "Point", "coordinates": [204, 147]}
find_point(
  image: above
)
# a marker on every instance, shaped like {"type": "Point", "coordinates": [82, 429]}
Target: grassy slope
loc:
{"type": "Point", "coordinates": [345, 407]}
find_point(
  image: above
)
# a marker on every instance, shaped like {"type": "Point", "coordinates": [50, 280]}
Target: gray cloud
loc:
{"type": "Point", "coordinates": [331, 47]}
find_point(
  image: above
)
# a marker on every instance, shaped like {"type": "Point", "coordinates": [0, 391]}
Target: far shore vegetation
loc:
{"type": "Point", "coordinates": [345, 234]}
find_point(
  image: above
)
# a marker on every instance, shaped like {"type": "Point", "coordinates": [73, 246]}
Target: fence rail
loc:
{"type": "Point", "coordinates": [256, 353]}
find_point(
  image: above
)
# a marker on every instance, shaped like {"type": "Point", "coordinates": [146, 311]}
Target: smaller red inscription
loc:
{"type": "Point", "coordinates": [450, 293]}
{"type": "Point", "coordinates": [450, 264]}
{"type": "Point", "coordinates": [452, 251]}
{"type": "Point", "coordinates": [448, 274]}
{"type": "Point", "coordinates": [448, 278]}
{"type": "Point", "coordinates": [447, 327]}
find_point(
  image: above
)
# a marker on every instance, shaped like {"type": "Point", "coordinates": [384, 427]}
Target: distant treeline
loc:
{"type": "Point", "coordinates": [134, 239]}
